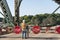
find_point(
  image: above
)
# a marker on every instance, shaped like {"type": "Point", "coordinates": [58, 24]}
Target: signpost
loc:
{"type": "Point", "coordinates": [17, 30]}
{"type": "Point", "coordinates": [58, 29]}
{"type": "Point", "coordinates": [36, 29]}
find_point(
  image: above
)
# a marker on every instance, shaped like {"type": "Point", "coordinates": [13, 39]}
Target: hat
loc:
{"type": "Point", "coordinates": [23, 21]}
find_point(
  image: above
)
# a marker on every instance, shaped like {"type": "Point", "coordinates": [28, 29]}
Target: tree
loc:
{"type": "Point", "coordinates": [51, 20]}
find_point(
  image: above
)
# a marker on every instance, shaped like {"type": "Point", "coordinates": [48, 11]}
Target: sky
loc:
{"type": "Point", "coordinates": [33, 7]}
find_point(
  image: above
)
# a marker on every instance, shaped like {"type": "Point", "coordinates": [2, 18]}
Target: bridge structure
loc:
{"type": "Point", "coordinates": [8, 16]}
{"type": "Point", "coordinates": [8, 19]}
{"type": "Point", "coordinates": [17, 5]}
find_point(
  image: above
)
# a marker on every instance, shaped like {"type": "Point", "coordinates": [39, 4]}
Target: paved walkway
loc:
{"type": "Point", "coordinates": [40, 36]}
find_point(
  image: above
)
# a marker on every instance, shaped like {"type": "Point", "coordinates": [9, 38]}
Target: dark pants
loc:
{"type": "Point", "coordinates": [27, 33]}
{"type": "Point", "coordinates": [24, 34]}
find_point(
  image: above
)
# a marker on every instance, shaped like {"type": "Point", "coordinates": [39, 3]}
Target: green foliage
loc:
{"type": "Point", "coordinates": [42, 19]}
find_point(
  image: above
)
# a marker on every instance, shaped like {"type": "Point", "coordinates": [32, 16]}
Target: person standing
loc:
{"type": "Point", "coordinates": [23, 26]}
{"type": "Point", "coordinates": [27, 31]}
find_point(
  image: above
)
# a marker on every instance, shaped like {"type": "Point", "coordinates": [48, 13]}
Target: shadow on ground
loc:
{"type": "Point", "coordinates": [32, 37]}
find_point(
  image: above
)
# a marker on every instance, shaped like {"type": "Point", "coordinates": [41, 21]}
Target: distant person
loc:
{"type": "Point", "coordinates": [27, 31]}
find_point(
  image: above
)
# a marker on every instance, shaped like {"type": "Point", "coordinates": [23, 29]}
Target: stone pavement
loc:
{"type": "Point", "coordinates": [40, 36]}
